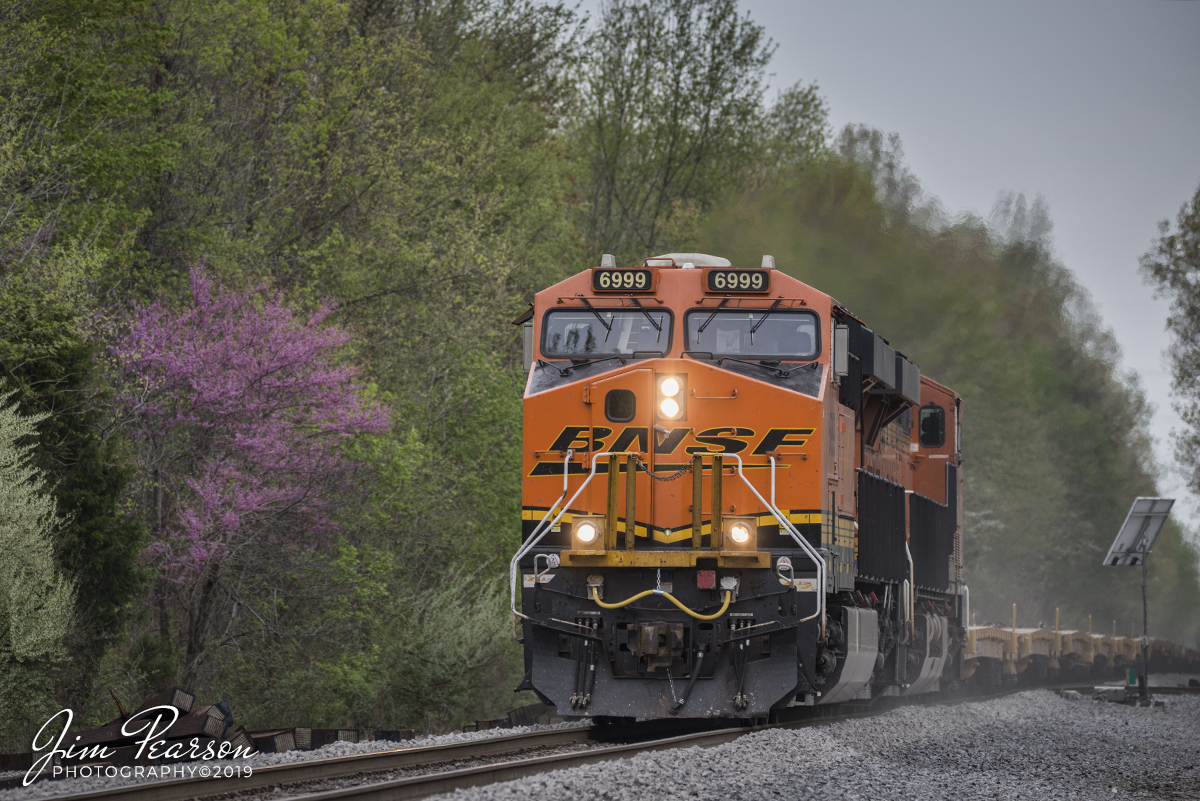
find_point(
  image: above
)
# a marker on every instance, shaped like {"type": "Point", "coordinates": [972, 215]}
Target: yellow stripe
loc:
{"type": "Point", "coordinates": [685, 532]}
{"type": "Point", "coordinates": [540, 514]}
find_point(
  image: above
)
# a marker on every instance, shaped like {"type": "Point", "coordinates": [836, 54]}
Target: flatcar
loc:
{"type": "Point", "coordinates": [737, 499]}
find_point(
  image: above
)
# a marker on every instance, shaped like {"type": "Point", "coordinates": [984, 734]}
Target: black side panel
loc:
{"type": "Point", "coordinates": [880, 529]}
{"type": "Point", "coordinates": [850, 393]}
{"type": "Point", "coordinates": [931, 528]}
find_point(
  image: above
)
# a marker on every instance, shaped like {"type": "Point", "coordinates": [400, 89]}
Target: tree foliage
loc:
{"type": "Point", "coordinates": [48, 319]}
{"type": "Point", "coordinates": [239, 410]}
{"type": "Point", "coordinates": [671, 118]}
{"type": "Point", "coordinates": [36, 600]}
{"type": "Point", "coordinates": [1055, 435]}
{"type": "Point", "coordinates": [1173, 266]}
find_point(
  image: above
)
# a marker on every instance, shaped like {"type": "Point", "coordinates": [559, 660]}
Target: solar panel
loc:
{"type": "Point", "coordinates": [1136, 537]}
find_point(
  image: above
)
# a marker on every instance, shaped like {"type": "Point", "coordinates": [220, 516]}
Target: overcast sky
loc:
{"type": "Point", "coordinates": [1093, 104]}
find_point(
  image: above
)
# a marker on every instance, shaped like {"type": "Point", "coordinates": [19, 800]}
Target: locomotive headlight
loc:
{"type": "Point", "coordinates": [672, 389]}
{"type": "Point", "coordinates": [741, 534]}
{"type": "Point", "coordinates": [587, 531]}
{"type": "Point", "coordinates": [587, 534]}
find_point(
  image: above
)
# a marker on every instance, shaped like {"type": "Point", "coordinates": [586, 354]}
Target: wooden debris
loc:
{"type": "Point", "coordinates": [16, 761]}
{"type": "Point", "coordinates": [323, 737]}
{"type": "Point", "coordinates": [274, 742]}
{"type": "Point", "coordinates": [493, 723]}
{"type": "Point", "coordinates": [530, 715]}
{"type": "Point", "coordinates": [393, 735]}
{"type": "Point", "coordinates": [208, 720]}
{"type": "Point", "coordinates": [237, 737]}
{"type": "Point", "coordinates": [303, 735]}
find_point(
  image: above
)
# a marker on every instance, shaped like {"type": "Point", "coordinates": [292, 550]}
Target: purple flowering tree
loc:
{"type": "Point", "coordinates": [241, 412]}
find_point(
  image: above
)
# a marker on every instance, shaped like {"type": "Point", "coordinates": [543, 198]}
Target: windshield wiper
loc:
{"type": "Point", "coordinates": [754, 327]}
{"type": "Point", "coordinates": [704, 325]}
{"type": "Point", "coordinates": [562, 371]}
{"type": "Point", "coordinates": [603, 322]}
{"type": "Point", "coordinates": [657, 326]}
{"type": "Point", "coordinates": [575, 361]}
{"type": "Point", "coordinates": [766, 364]}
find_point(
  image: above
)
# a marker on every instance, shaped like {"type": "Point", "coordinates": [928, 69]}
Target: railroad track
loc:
{"type": "Point", "coordinates": [449, 781]}
{"type": "Point", "coordinates": [437, 769]}
{"type": "Point", "coordinates": [292, 773]}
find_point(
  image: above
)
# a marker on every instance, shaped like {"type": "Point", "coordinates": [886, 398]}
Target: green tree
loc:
{"type": "Point", "coordinates": [397, 156]}
{"type": "Point", "coordinates": [36, 600]}
{"type": "Point", "coordinates": [671, 118]}
{"type": "Point", "coordinates": [1173, 267]}
{"type": "Point", "coordinates": [46, 314]}
{"type": "Point", "coordinates": [1055, 434]}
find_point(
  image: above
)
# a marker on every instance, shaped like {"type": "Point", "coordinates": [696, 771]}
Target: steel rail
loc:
{"type": "Point", "coordinates": [336, 767]}
{"type": "Point", "coordinates": [415, 787]}
{"type": "Point", "coordinates": [439, 782]}
{"type": "Point", "coordinates": [449, 781]}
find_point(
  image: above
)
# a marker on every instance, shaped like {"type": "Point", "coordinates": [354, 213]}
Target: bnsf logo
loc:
{"type": "Point", "coordinates": [637, 438]}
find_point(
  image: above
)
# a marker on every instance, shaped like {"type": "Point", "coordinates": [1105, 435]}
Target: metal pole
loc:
{"type": "Point", "coordinates": [1144, 688]}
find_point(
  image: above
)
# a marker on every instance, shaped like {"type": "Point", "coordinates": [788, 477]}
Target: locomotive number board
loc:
{"type": "Point", "coordinates": [622, 280]}
{"type": "Point", "coordinates": [739, 281]}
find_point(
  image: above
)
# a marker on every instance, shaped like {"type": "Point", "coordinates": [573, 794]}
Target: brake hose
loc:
{"type": "Point", "coordinates": [669, 597]}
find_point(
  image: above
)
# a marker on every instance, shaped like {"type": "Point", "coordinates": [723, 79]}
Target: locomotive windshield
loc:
{"type": "Point", "coordinates": [756, 333]}
{"type": "Point", "coordinates": [584, 333]}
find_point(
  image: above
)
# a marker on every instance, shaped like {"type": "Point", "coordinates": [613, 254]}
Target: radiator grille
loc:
{"type": "Point", "coordinates": [880, 529]}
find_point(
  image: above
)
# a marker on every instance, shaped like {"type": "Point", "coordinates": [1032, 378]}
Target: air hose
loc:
{"type": "Point", "coordinates": [669, 597]}
{"type": "Point", "coordinates": [687, 691]}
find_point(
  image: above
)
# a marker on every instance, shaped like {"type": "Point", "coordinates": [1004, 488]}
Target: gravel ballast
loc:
{"type": "Point", "coordinates": [1032, 745]}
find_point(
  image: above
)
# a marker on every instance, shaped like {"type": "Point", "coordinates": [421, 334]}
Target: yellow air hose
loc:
{"type": "Point", "coordinates": [669, 597]}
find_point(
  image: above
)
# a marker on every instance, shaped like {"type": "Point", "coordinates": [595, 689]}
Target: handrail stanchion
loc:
{"type": "Point", "coordinates": [534, 538]}
{"type": "Point", "coordinates": [716, 530]}
{"type": "Point", "coordinates": [610, 509]}
{"type": "Point", "coordinates": [631, 503]}
{"type": "Point", "coordinates": [803, 543]}
{"type": "Point", "coordinates": [538, 532]}
{"type": "Point", "coordinates": [784, 523]}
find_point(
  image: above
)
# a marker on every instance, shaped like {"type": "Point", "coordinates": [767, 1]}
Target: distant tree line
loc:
{"type": "Point", "coordinates": [257, 262]}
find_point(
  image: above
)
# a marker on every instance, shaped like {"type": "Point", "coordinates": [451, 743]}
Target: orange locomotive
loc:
{"type": "Point", "coordinates": [737, 499]}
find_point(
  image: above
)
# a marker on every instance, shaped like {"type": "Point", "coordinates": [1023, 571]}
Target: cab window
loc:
{"type": "Point", "coordinates": [932, 425]}
{"type": "Point", "coordinates": [754, 333]}
{"type": "Point", "coordinates": [585, 333]}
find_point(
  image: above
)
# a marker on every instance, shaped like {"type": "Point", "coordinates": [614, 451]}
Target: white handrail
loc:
{"type": "Point", "coordinates": [537, 534]}
{"type": "Point", "coordinates": [787, 524]}
{"type": "Point", "coordinates": [911, 608]}
{"type": "Point", "coordinates": [966, 607]}
{"type": "Point", "coordinates": [533, 538]}
{"type": "Point", "coordinates": [541, 530]}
